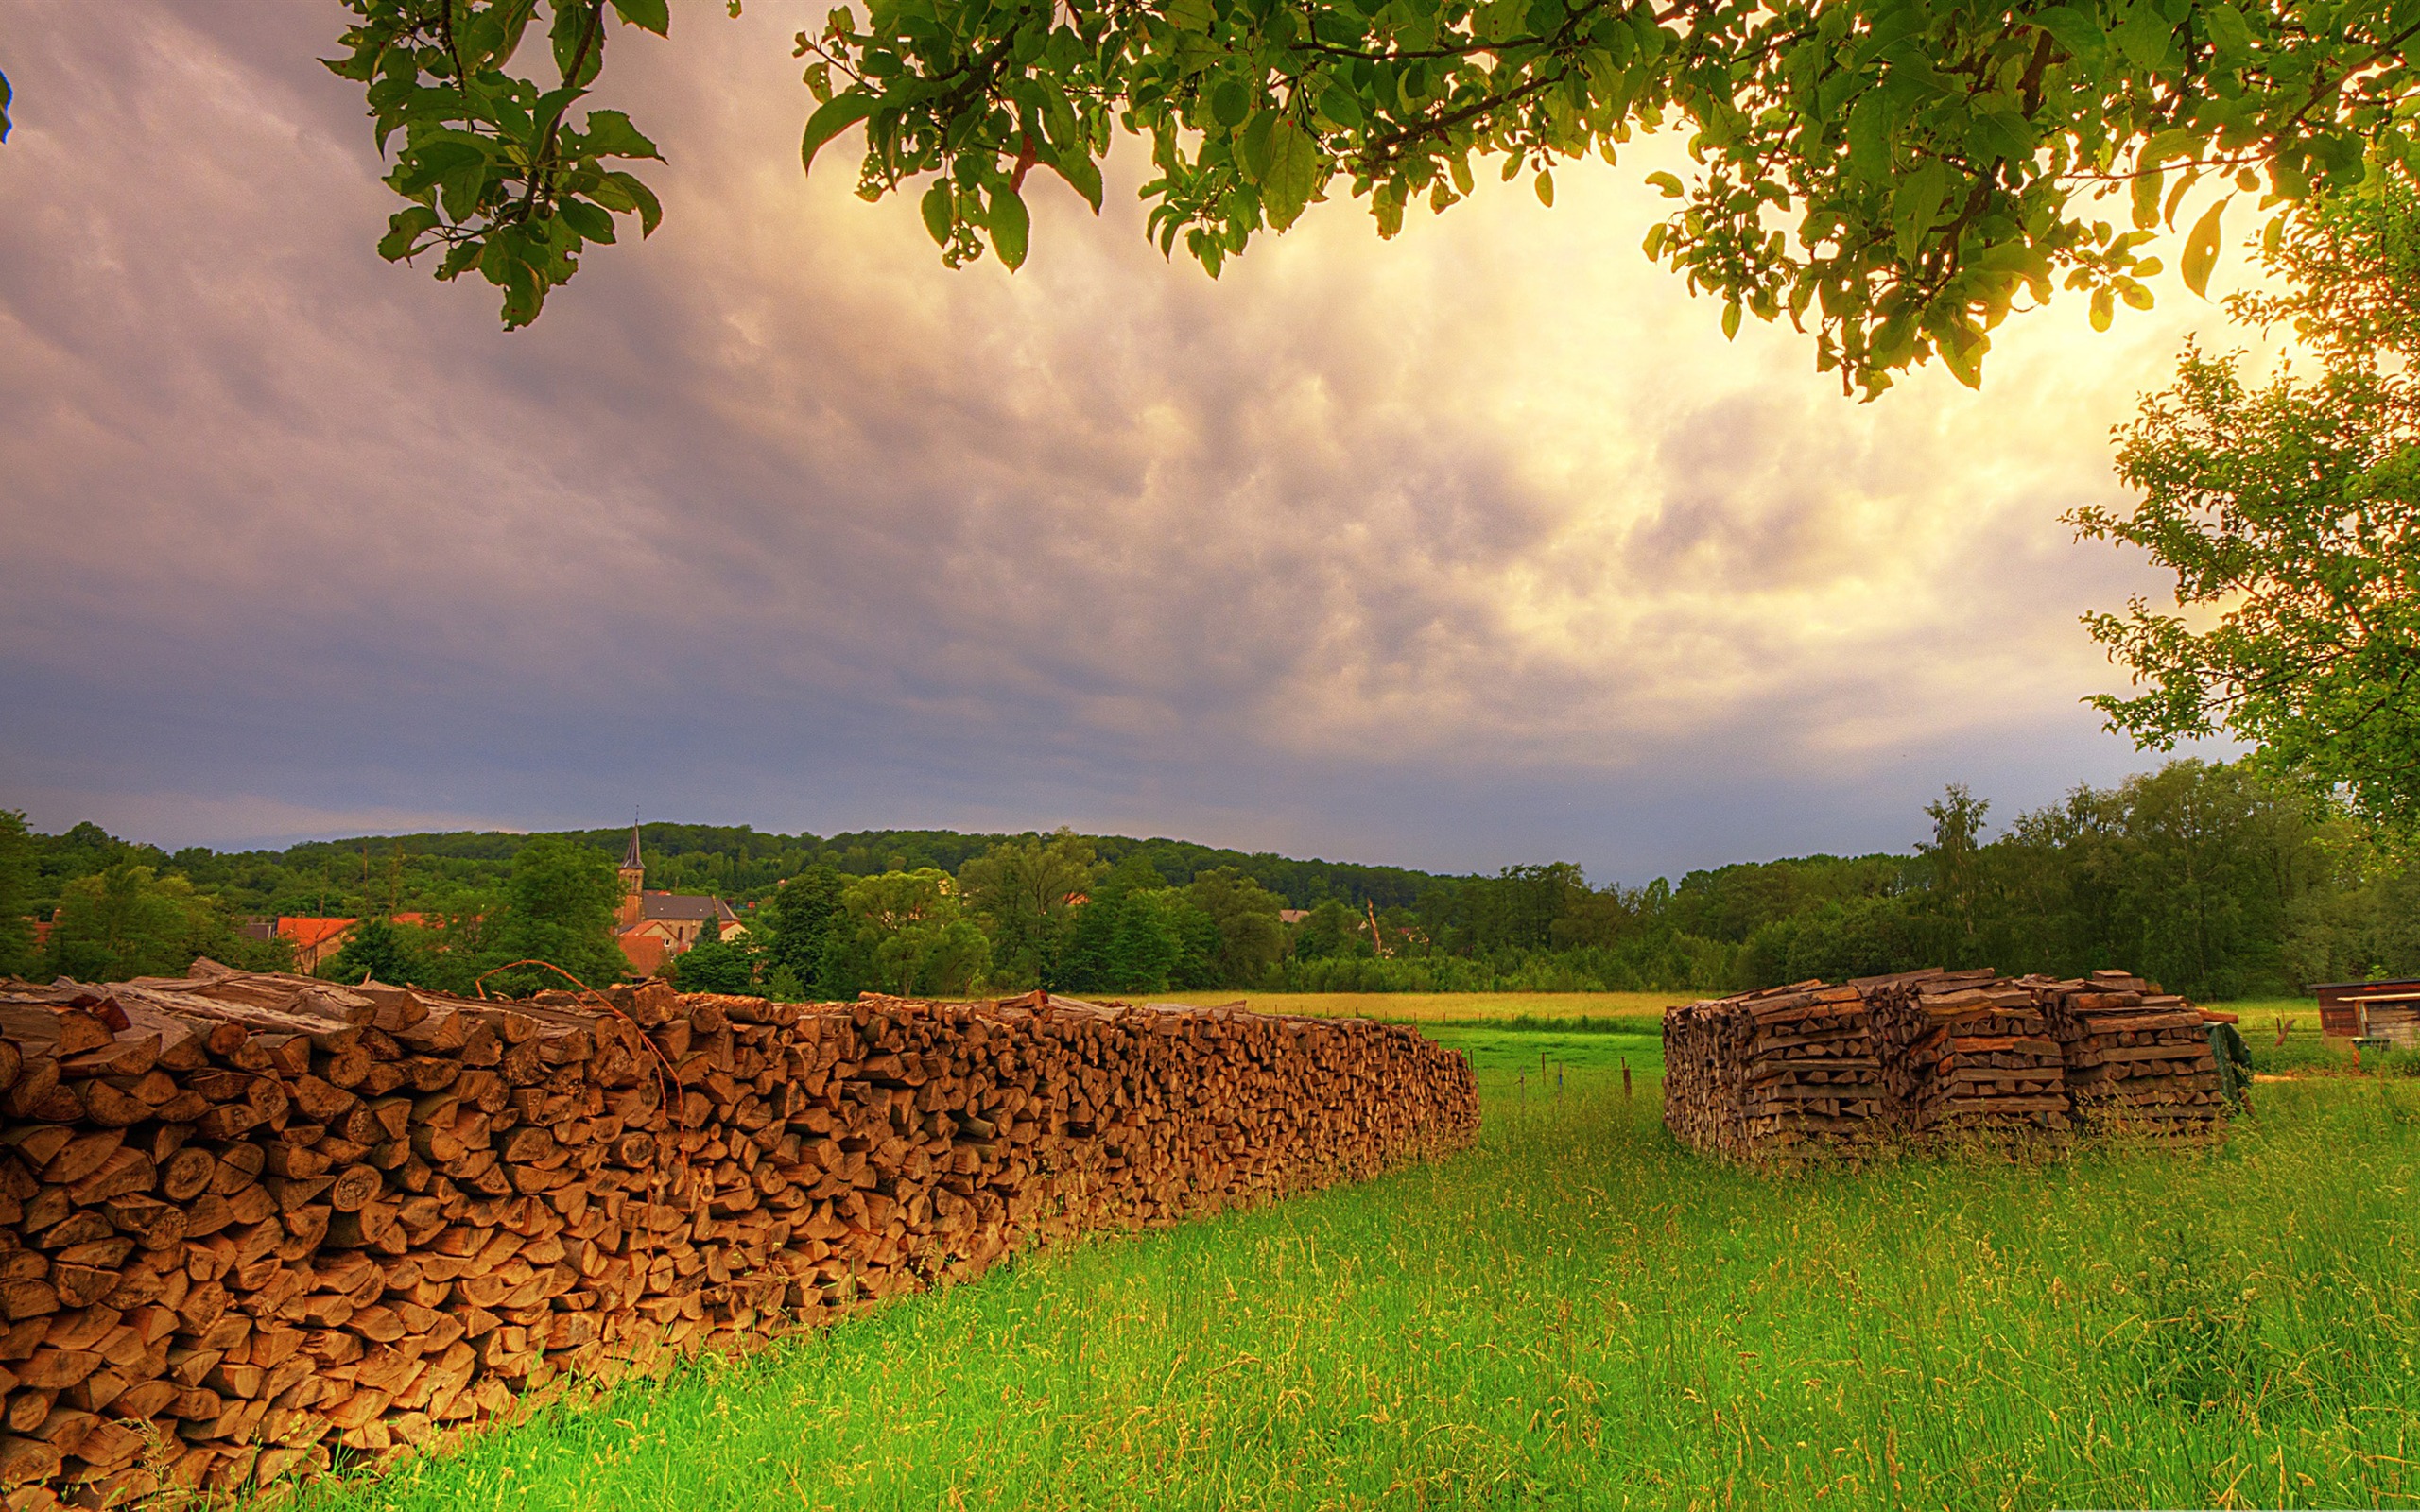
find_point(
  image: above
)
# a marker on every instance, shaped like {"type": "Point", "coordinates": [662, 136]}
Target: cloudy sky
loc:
{"type": "Point", "coordinates": [1477, 546]}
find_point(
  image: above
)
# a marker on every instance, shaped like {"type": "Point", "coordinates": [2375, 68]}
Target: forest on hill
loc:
{"type": "Point", "coordinates": [2203, 875]}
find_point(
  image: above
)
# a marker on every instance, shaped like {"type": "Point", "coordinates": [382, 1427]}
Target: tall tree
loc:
{"type": "Point", "coordinates": [716, 965]}
{"type": "Point", "coordinates": [16, 886]}
{"type": "Point", "coordinates": [1893, 174]}
{"type": "Point", "coordinates": [381, 950]}
{"type": "Point", "coordinates": [1024, 890]}
{"type": "Point", "coordinates": [806, 924]}
{"type": "Point", "coordinates": [1245, 914]}
{"type": "Point", "coordinates": [129, 922]}
{"type": "Point", "coordinates": [913, 935]}
{"type": "Point", "coordinates": [558, 907]}
{"type": "Point", "coordinates": [1952, 859]}
{"type": "Point", "coordinates": [2289, 516]}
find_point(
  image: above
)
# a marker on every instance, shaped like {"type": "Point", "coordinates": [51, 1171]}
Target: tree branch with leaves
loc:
{"type": "Point", "coordinates": [2290, 515]}
{"type": "Point", "coordinates": [1895, 177]}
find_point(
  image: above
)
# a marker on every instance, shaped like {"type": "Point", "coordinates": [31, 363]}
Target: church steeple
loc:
{"type": "Point", "coordinates": [633, 874]}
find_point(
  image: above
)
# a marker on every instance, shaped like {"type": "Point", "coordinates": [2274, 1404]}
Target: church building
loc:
{"type": "Point", "coordinates": [653, 927]}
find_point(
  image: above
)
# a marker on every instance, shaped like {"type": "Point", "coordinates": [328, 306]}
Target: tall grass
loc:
{"type": "Point", "coordinates": [1576, 1313]}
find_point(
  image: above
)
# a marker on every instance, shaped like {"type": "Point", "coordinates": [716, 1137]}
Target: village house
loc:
{"type": "Point", "coordinates": [317, 939]}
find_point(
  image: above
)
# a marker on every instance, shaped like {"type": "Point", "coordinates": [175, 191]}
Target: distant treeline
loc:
{"type": "Point", "coordinates": [436, 874]}
{"type": "Point", "coordinates": [2201, 875]}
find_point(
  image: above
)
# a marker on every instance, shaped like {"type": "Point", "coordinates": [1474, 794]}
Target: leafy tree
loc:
{"type": "Point", "coordinates": [558, 907]}
{"type": "Point", "coordinates": [912, 933]}
{"type": "Point", "coordinates": [1025, 890]}
{"type": "Point", "coordinates": [1140, 939]}
{"type": "Point", "coordinates": [716, 965]}
{"type": "Point", "coordinates": [2292, 510]}
{"type": "Point", "coordinates": [807, 932]}
{"type": "Point", "coordinates": [383, 950]}
{"type": "Point", "coordinates": [128, 922]}
{"type": "Point", "coordinates": [1331, 930]}
{"type": "Point", "coordinates": [1951, 857]}
{"type": "Point", "coordinates": [1837, 939]}
{"type": "Point", "coordinates": [1249, 938]}
{"type": "Point", "coordinates": [16, 873]}
{"type": "Point", "coordinates": [1893, 174]}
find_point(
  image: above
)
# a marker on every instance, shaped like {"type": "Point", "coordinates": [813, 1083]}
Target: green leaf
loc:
{"type": "Point", "coordinates": [1230, 102]}
{"type": "Point", "coordinates": [650, 210]}
{"type": "Point", "coordinates": [829, 120]}
{"type": "Point", "coordinates": [1653, 246]}
{"type": "Point", "coordinates": [610, 134]}
{"type": "Point", "coordinates": [2226, 27]}
{"type": "Point", "coordinates": [939, 219]}
{"type": "Point", "coordinates": [1962, 352]}
{"type": "Point", "coordinates": [2144, 37]}
{"type": "Point", "coordinates": [2005, 136]}
{"type": "Point", "coordinates": [1190, 15]}
{"type": "Point", "coordinates": [2104, 309]}
{"type": "Point", "coordinates": [2202, 251]}
{"type": "Point", "coordinates": [1546, 187]}
{"type": "Point", "coordinates": [1010, 227]}
{"type": "Point", "coordinates": [1731, 320]}
{"type": "Point", "coordinates": [1669, 184]}
{"type": "Point", "coordinates": [1293, 174]}
{"type": "Point", "coordinates": [423, 167]}
{"type": "Point", "coordinates": [2147, 187]}
{"type": "Point", "coordinates": [2176, 142]}
{"type": "Point", "coordinates": [2077, 31]}
{"type": "Point", "coordinates": [1082, 172]}
{"type": "Point", "coordinates": [1916, 204]}
{"type": "Point", "coordinates": [591, 222]}
{"type": "Point", "coordinates": [460, 191]}
{"type": "Point", "coordinates": [647, 15]}
{"type": "Point", "coordinates": [1254, 147]}
{"type": "Point", "coordinates": [1339, 105]}
{"type": "Point", "coordinates": [403, 229]}
{"type": "Point", "coordinates": [1868, 134]}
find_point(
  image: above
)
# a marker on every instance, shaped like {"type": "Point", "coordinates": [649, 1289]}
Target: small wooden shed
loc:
{"type": "Point", "coordinates": [2371, 1010]}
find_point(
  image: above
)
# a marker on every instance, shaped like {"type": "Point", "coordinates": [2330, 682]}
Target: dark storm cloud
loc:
{"type": "Point", "coordinates": [1477, 548]}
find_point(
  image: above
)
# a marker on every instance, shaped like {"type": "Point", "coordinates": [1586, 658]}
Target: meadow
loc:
{"type": "Point", "coordinates": [1576, 1313]}
{"type": "Point", "coordinates": [1447, 1007]}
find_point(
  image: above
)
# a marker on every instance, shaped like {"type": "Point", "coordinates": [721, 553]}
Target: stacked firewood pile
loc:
{"type": "Point", "coordinates": [2138, 1058]}
{"type": "Point", "coordinates": [1764, 1071]}
{"type": "Point", "coordinates": [1936, 1053]}
{"type": "Point", "coordinates": [1970, 1051]}
{"type": "Point", "coordinates": [248, 1220]}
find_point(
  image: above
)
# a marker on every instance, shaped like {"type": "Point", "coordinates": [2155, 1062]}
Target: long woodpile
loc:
{"type": "Point", "coordinates": [1933, 1054]}
{"type": "Point", "coordinates": [1764, 1071]}
{"type": "Point", "coordinates": [247, 1221]}
{"type": "Point", "coordinates": [2137, 1059]}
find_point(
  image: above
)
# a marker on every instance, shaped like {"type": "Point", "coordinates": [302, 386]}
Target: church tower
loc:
{"type": "Point", "coordinates": [633, 874]}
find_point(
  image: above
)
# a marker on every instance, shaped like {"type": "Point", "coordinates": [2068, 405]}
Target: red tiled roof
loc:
{"type": "Point", "coordinates": [645, 949]}
{"type": "Point", "coordinates": [306, 932]}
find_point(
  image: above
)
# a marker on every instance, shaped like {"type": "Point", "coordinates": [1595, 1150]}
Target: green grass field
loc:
{"type": "Point", "coordinates": [1447, 1007]}
{"type": "Point", "coordinates": [1576, 1313]}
